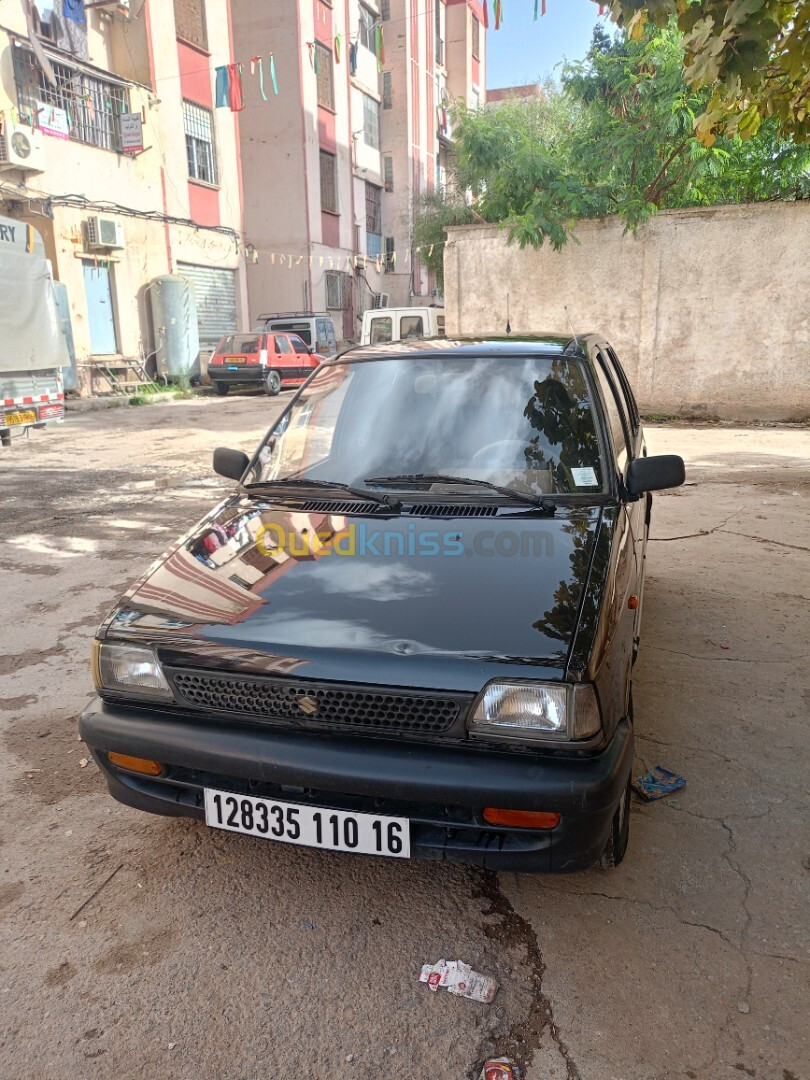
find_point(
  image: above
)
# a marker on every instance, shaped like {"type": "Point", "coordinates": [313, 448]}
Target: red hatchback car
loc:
{"type": "Point", "coordinates": [272, 360]}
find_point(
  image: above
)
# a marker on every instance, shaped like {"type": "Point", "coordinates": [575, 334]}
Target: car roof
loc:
{"type": "Point", "coordinates": [535, 345]}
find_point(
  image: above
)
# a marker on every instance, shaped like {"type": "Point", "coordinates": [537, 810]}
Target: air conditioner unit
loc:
{"type": "Point", "coordinates": [104, 232]}
{"type": "Point", "coordinates": [379, 300]}
{"type": "Point", "coordinates": [21, 148]}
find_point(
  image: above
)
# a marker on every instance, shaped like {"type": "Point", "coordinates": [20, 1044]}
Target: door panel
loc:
{"type": "Point", "coordinates": [100, 314]}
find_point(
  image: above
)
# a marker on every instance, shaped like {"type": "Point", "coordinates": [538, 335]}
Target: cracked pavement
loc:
{"type": "Point", "coordinates": [134, 945]}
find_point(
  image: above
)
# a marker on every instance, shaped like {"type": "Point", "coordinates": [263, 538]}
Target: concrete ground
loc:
{"type": "Point", "coordinates": [140, 946]}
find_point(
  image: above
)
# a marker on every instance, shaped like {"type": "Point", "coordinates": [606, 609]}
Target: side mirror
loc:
{"type": "Point", "coordinates": [230, 463]}
{"type": "Point", "coordinates": [655, 473]}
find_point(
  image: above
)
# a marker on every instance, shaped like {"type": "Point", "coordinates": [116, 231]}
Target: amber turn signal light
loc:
{"type": "Point", "coordinates": [136, 764]}
{"type": "Point", "coordinates": [521, 819]}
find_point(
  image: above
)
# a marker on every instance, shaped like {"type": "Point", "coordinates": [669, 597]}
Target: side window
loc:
{"type": "Point", "coordinates": [411, 326]}
{"type": "Point", "coordinates": [380, 330]}
{"type": "Point", "coordinates": [617, 422]}
{"type": "Point", "coordinates": [282, 344]}
{"type": "Point", "coordinates": [624, 385]}
{"type": "Point", "coordinates": [298, 344]}
{"type": "Point", "coordinates": [322, 329]}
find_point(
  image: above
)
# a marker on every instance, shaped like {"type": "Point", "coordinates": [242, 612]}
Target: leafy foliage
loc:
{"type": "Point", "coordinates": [754, 54]}
{"type": "Point", "coordinates": [617, 137]}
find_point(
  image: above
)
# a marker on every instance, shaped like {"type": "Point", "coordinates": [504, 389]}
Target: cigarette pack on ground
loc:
{"type": "Point", "coordinates": [459, 978]}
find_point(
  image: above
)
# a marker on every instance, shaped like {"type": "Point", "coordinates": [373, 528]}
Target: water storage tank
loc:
{"type": "Point", "coordinates": [174, 320]}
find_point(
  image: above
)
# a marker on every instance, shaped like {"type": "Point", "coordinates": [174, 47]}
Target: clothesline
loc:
{"type": "Point", "coordinates": [345, 263]}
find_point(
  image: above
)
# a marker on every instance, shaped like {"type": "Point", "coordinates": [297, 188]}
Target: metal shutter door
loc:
{"type": "Point", "coordinates": [215, 293]}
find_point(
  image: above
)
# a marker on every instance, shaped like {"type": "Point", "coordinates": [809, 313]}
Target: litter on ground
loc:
{"type": "Point", "coordinates": [499, 1069]}
{"type": "Point", "coordinates": [658, 782]}
{"type": "Point", "coordinates": [460, 979]}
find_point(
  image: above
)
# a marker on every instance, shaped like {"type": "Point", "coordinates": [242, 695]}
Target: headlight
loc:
{"type": "Point", "coordinates": [129, 669]}
{"type": "Point", "coordinates": [556, 712]}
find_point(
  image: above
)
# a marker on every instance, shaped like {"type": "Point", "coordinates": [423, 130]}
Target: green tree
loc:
{"type": "Point", "coordinates": [616, 137]}
{"type": "Point", "coordinates": [753, 54]}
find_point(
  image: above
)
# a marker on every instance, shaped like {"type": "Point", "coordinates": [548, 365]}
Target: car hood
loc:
{"type": "Point", "coordinates": [432, 601]}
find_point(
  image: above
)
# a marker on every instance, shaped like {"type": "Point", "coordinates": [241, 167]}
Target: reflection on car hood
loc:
{"type": "Point", "coordinates": [413, 601]}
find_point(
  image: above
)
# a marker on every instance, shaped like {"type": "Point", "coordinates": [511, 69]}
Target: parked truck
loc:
{"type": "Point", "coordinates": [33, 349]}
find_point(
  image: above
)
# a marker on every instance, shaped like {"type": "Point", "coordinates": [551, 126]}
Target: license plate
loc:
{"type": "Point", "coordinates": [25, 416]}
{"type": "Point", "coordinates": [234, 359]}
{"type": "Point", "coordinates": [310, 826]}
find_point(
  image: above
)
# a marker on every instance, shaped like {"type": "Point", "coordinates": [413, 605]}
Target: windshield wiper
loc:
{"type": "Point", "coordinates": [549, 505]}
{"type": "Point", "coordinates": [325, 485]}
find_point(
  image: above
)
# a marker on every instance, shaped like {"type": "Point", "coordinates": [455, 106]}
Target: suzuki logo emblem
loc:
{"type": "Point", "coordinates": [308, 705]}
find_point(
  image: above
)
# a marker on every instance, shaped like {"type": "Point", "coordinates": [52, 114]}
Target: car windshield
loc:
{"type": "Point", "coordinates": [524, 423]}
{"type": "Point", "coordinates": [239, 344]}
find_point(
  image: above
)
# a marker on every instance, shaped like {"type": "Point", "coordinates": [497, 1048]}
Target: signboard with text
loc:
{"type": "Point", "coordinates": [131, 133]}
{"type": "Point", "coordinates": [52, 121]}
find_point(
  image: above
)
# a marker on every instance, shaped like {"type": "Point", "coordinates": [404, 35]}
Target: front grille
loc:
{"type": "Point", "coordinates": [330, 705]}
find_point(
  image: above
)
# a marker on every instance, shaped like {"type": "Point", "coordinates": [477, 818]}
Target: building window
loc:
{"type": "Point", "coordinates": [368, 22]}
{"type": "Point", "coordinates": [189, 22]}
{"type": "Point", "coordinates": [373, 220]}
{"type": "Point", "coordinates": [199, 125]}
{"type": "Point", "coordinates": [439, 41]}
{"type": "Point", "coordinates": [476, 37]}
{"type": "Point", "coordinates": [385, 10]}
{"type": "Point", "coordinates": [371, 122]}
{"type": "Point", "coordinates": [389, 255]}
{"type": "Point", "coordinates": [387, 90]}
{"type": "Point", "coordinates": [329, 200]}
{"type": "Point", "coordinates": [388, 172]}
{"type": "Point", "coordinates": [89, 109]}
{"type": "Point", "coordinates": [326, 80]}
{"type": "Point", "coordinates": [338, 290]}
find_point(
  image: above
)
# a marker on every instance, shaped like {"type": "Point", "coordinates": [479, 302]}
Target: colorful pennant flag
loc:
{"type": "Point", "coordinates": [273, 73]}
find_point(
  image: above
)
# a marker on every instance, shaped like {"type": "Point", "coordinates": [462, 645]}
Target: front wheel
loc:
{"type": "Point", "coordinates": [616, 846]}
{"type": "Point", "coordinates": [221, 388]}
{"type": "Point", "coordinates": [272, 383]}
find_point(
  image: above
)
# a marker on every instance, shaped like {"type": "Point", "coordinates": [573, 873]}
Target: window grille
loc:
{"type": "Point", "coordinates": [199, 126]}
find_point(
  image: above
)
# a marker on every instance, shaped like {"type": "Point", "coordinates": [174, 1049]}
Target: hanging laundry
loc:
{"type": "Point", "coordinates": [72, 28]}
{"type": "Point", "coordinates": [380, 49]}
{"type": "Point", "coordinates": [497, 7]}
{"type": "Point", "coordinates": [353, 58]}
{"type": "Point", "coordinates": [235, 88]}
{"type": "Point", "coordinates": [221, 96]}
{"type": "Point", "coordinates": [273, 74]}
{"type": "Point", "coordinates": [337, 48]}
{"type": "Point", "coordinates": [311, 51]}
{"type": "Point", "coordinates": [486, 16]}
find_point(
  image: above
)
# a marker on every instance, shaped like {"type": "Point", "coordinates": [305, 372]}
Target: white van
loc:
{"type": "Point", "coordinates": [316, 328]}
{"type": "Point", "coordinates": [401, 324]}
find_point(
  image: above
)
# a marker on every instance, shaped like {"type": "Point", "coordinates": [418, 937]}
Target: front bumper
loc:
{"type": "Point", "coordinates": [443, 790]}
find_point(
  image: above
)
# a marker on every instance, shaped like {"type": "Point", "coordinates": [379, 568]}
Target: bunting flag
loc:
{"type": "Point", "coordinates": [486, 16]}
{"type": "Point", "coordinates": [311, 51]}
{"type": "Point", "coordinates": [353, 58]}
{"type": "Point", "coordinates": [337, 48]}
{"type": "Point", "coordinates": [221, 93]}
{"type": "Point", "coordinates": [273, 73]}
{"type": "Point", "coordinates": [235, 87]}
{"type": "Point", "coordinates": [380, 48]}
{"type": "Point", "coordinates": [254, 61]}
{"type": "Point", "coordinates": [497, 7]}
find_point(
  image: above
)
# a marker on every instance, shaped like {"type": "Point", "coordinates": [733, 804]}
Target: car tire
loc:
{"type": "Point", "coordinates": [616, 846]}
{"type": "Point", "coordinates": [221, 388]}
{"type": "Point", "coordinates": [272, 383]}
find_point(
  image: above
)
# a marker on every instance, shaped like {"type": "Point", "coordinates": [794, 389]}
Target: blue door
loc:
{"type": "Point", "coordinates": [100, 315]}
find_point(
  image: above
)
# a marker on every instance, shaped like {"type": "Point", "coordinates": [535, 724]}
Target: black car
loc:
{"type": "Point", "coordinates": [411, 630]}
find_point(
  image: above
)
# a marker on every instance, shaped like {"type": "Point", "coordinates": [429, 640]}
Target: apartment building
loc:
{"type": "Point", "coordinates": [435, 55]}
{"type": "Point", "coordinates": [112, 149]}
{"type": "Point", "coordinates": [335, 162]}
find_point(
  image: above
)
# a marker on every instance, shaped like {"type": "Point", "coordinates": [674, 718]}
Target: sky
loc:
{"type": "Point", "coordinates": [524, 51]}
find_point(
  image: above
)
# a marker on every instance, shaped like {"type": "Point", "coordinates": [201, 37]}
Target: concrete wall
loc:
{"type": "Point", "coordinates": [708, 309]}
